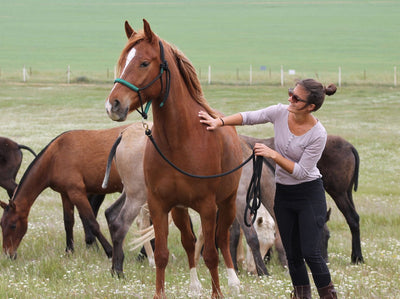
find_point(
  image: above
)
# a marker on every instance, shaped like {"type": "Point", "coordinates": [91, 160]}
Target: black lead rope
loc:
{"type": "Point", "coordinates": [148, 133]}
{"type": "Point", "coordinates": [253, 196]}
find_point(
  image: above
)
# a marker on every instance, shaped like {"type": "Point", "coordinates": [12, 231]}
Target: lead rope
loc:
{"type": "Point", "coordinates": [148, 133]}
{"type": "Point", "coordinates": [253, 196]}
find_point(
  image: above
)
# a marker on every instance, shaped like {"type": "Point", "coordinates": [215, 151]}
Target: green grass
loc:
{"type": "Point", "coordinates": [33, 114]}
{"type": "Point", "coordinates": [314, 38]}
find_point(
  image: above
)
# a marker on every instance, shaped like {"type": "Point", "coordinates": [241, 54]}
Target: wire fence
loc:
{"type": "Point", "coordinates": [260, 75]}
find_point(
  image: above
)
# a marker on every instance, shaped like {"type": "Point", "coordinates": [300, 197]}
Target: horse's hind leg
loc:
{"type": "Point", "coordinates": [226, 216]}
{"type": "Point", "coordinates": [95, 201]}
{"type": "Point", "coordinates": [79, 199]}
{"type": "Point", "coordinates": [182, 221]}
{"type": "Point", "coordinates": [346, 206]}
{"type": "Point", "coordinates": [68, 212]}
{"type": "Point", "coordinates": [234, 232]}
{"type": "Point", "coordinates": [120, 217]}
{"type": "Point", "coordinates": [210, 253]}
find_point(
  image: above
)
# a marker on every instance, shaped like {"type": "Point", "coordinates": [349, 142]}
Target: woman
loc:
{"type": "Point", "coordinates": [300, 204]}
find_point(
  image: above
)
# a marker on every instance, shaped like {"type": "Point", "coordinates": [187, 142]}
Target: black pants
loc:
{"type": "Point", "coordinates": [300, 212]}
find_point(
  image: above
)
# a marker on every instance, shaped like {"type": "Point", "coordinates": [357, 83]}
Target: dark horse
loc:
{"type": "Point", "coordinates": [10, 162]}
{"type": "Point", "coordinates": [73, 164]}
{"type": "Point", "coordinates": [154, 70]}
{"type": "Point", "coordinates": [339, 166]}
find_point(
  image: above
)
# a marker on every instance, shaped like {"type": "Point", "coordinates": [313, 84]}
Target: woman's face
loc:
{"type": "Point", "coordinates": [297, 99]}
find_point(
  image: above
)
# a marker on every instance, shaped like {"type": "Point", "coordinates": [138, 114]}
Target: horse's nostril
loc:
{"type": "Point", "coordinates": [116, 104]}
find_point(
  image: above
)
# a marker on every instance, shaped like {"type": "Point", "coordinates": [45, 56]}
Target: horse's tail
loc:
{"type": "Point", "coordinates": [20, 146]}
{"type": "Point", "coordinates": [109, 161]}
{"type": "Point", "coordinates": [146, 235]}
{"type": "Point", "coordinates": [357, 167]}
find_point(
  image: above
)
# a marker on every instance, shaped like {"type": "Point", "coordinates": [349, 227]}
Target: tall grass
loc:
{"type": "Point", "coordinates": [33, 114]}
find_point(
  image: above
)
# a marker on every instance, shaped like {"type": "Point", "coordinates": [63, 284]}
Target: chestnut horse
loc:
{"type": "Point", "coordinates": [10, 162]}
{"type": "Point", "coordinates": [154, 70]}
{"type": "Point", "coordinates": [72, 164]}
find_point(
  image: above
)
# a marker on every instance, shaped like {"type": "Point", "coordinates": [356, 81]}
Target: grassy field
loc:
{"type": "Point", "coordinates": [33, 114]}
{"type": "Point", "coordinates": [314, 38]}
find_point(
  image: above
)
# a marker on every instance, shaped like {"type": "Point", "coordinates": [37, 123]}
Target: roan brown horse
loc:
{"type": "Point", "coordinates": [73, 164]}
{"type": "Point", "coordinates": [10, 162]}
{"type": "Point", "coordinates": [153, 70]}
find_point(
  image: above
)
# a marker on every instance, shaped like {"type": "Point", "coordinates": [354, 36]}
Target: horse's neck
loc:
{"type": "Point", "coordinates": [178, 116]}
{"type": "Point", "coordinates": [32, 185]}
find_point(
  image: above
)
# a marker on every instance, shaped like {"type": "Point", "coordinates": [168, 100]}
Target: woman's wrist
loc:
{"type": "Point", "coordinates": [222, 122]}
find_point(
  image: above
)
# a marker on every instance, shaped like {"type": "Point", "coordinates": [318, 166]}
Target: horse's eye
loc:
{"type": "Point", "coordinates": [13, 226]}
{"type": "Point", "coordinates": [144, 64]}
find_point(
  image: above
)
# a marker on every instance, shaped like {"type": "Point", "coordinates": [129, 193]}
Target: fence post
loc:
{"type": "Point", "coordinates": [68, 74]}
{"type": "Point", "coordinates": [340, 77]}
{"type": "Point", "coordinates": [24, 74]}
{"type": "Point", "coordinates": [281, 75]}
{"type": "Point", "coordinates": [209, 74]}
{"type": "Point", "coordinates": [251, 74]}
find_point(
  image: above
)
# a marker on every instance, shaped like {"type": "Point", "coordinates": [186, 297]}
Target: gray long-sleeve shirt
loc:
{"type": "Point", "coordinates": [305, 150]}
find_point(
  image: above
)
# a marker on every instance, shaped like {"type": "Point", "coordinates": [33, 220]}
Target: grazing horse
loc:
{"type": "Point", "coordinates": [73, 164]}
{"type": "Point", "coordinates": [10, 162]}
{"type": "Point", "coordinates": [154, 70]}
{"type": "Point", "coordinates": [339, 166]}
{"type": "Point", "coordinates": [265, 228]}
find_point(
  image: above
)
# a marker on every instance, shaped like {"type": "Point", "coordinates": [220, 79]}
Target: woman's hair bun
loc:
{"type": "Point", "coordinates": [330, 90]}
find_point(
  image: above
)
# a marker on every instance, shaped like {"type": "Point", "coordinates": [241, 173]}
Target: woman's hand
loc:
{"type": "Point", "coordinates": [263, 150]}
{"type": "Point", "coordinates": [212, 123]}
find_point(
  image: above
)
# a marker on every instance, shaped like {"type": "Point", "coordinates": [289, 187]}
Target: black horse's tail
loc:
{"type": "Point", "coordinates": [357, 167]}
{"type": "Point", "coordinates": [20, 146]}
{"type": "Point", "coordinates": [109, 161]}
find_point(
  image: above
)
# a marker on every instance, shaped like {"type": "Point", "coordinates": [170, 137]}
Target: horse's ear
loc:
{"type": "Point", "coordinates": [129, 30]}
{"type": "Point", "coordinates": [147, 31]}
{"type": "Point", "coordinates": [3, 204]}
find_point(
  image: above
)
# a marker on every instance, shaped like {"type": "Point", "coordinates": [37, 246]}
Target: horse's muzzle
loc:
{"type": "Point", "coordinates": [115, 111]}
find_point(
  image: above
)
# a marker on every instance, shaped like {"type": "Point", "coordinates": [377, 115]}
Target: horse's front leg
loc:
{"type": "Point", "coordinates": [226, 216]}
{"type": "Point", "coordinates": [182, 221]}
{"type": "Point", "coordinates": [159, 216]}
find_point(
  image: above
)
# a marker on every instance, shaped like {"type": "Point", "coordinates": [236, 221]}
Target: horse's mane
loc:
{"type": "Point", "coordinates": [186, 69]}
{"type": "Point", "coordinates": [26, 173]}
{"type": "Point", "coordinates": [189, 75]}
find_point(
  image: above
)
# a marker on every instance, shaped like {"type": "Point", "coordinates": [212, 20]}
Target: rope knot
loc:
{"type": "Point", "coordinates": [147, 132]}
{"type": "Point", "coordinates": [164, 65]}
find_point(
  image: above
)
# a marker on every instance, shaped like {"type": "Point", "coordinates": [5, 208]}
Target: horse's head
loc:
{"type": "Point", "coordinates": [141, 65]}
{"type": "Point", "coordinates": [14, 227]}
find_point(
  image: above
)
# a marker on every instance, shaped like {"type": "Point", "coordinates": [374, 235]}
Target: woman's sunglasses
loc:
{"type": "Point", "coordinates": [294, 97]}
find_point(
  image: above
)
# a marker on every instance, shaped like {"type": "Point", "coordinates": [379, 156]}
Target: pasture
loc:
{"type": "Point", "coordinates": [314, 38]}
{"type": "Point", "coordinates": [34, 114]}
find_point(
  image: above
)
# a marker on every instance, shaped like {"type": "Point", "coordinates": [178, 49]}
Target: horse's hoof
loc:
{"type": "Point", "coordinates": [119, 274]}
{"type": "Point", "coordinates": [91, 244]}
{"type": "Point", "coordinates": [69, 250]}
{"type": "Point", "coordinates": [357, 260]}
